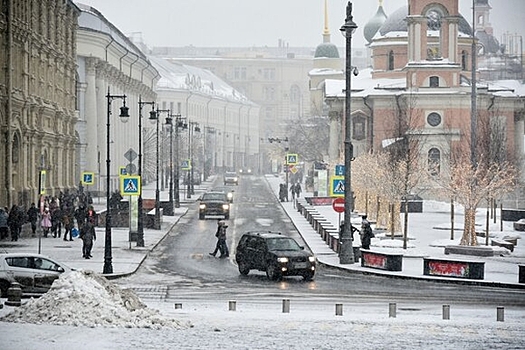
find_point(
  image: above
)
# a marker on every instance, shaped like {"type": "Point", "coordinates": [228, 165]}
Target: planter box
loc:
{"type": "Point", "coordinates": [454, 268]}
{"type": "Point", "coordinates": [382, 261]}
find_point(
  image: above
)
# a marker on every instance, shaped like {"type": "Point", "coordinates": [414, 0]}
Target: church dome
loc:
{"type": "Point", "coordinates": [489, 42]}
{"type": "Point", "coordinates": [396, 22]}
{"type": "Point", "coordinates": [326, 50]}
{"type": "Point", "coordinates": [374, 24]}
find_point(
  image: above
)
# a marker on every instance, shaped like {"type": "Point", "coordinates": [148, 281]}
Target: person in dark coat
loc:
{"type": "Point", "coordinates": [87, 233]}
{"type": "Point", "coordinates": [366, 233]}
{"type": "Point", "coordinates": [4, 228]}
{"type": "Point", "coordinates": [32, 217]}
{"type": "Point", "coordinates": [15, 222]}
{"type": "Point", "coordinates": [221, 240]}
{"type": "Point", "coordinates": [80, 215]}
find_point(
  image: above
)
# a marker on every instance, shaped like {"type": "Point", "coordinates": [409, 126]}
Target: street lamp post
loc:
{"type": "Point", "coordinates": [155, 118]}
{"type": "Point", "coordinates": [124, 113]}
{"type": "Point", "coordinates": [140, 228]}
{"type": "Point", "coordinates": [346, 254]}
{"type": "Point", "coordinates": [191, 129]}
{"type": "Point", "coordinates": [169, 126]}
{"type": "Point", "coordinates": [178, 124]}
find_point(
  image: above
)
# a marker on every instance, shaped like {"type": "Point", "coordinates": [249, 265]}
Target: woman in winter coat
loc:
{"type": "Point", "coordinates": [46, 221]}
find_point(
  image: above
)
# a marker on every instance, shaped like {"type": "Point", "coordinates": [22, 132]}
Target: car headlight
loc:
{"type": "Point", "coordinates": [230, 195]}
{"type": "Point", "coordinates": [311, 259]}
{"type": "Point", "coordinates": [225, 206]}
{"type": "Point", "coordinates": [235, 179]}
{"type": "Point", "coordinates": [202, 206]}
{"type": "Point", "coordinates": [282, 260]}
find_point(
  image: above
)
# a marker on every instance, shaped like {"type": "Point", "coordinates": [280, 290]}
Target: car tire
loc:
{"type": "Point", "coordinates": [244, 269]}
{"type": "Point", "coordinates": [308, 276]}
{"type": "Point", "coordinates": [4, 286]}
{"type": "Point", "coordinates": [227, 217]}
{"type": "Point", "coordinates": [201, 216]}
{"type": "Point", "coordinates": [272, 272]}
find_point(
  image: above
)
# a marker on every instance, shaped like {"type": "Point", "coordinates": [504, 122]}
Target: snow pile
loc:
{"type": "Point", "coordinates": [83, 298]}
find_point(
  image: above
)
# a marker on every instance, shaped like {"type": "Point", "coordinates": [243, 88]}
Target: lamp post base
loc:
{"type": "Point", "coordinates": [346, 254]}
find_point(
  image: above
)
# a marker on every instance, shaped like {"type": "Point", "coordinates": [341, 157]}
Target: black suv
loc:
{"type": "Point", "coordinates": [274, 253]}
{"type": "Point", "coordinates": [214, 203]}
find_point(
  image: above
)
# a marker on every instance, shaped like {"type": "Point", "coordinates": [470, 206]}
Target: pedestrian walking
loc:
{"type": "Point", "coordinates": [366, 233]}
{"type": "Point", "coordinates": [292, 191]}
{"type": "Point", "coordinates": [4, 228]}
{"type": "Point", "coordinates": [80, 215]}
{"type": "Point", "coordinates": [88, 234]}
{"type": "Point", "coordinates": [32, 217]}
{"type": "Point", "coordinates": [56, 217]}
{"type": "Point", "coordinates": [221, 245]}
{"type": "Point", "coordinates": [69, 222]}
{"type": "Point", "coordinates": [46, 221]}
{"type": "Point", "coordinates": [15, 222]}
{"type": "Point", "coordinates": [282, 192]}
{"type": "Point", "coordinates": [298, 190]}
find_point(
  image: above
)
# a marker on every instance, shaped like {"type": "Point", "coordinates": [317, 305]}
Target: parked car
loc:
{"type": "Point", "coordinates": [35, 272]}
{"type": "Point", "coordinates": [229, 192]}
{"type": "Point", "coordinates": [214, 203]}
{"type": "Point", "coordinates": [274, 253]}
{"type": "Point", "coordinates": [231, 178]}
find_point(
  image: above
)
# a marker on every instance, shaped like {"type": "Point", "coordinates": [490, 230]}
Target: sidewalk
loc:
{"type": "Point", "coordinates": [428, 234]}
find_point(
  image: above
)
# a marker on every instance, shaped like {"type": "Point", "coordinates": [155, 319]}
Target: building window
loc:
{"type": "Point", "coordinates": [295, 94]}
{"type": "Point", "coordinates": [464, 60]}
{"type": "Point", "coordinates": [391, 60]}
{"type": "Point", "coordinates": [15, 155]}
{"type": "Point", "coordinates": [239, 73]}
{"type": "Point", "coordinates": [434, 82]}
{"type": "Point", "coordinates": [434, 161]}
{"type": "Point", "coordinates": [359, 128]}
{"type": "Point", "coordinates": [269, 73]}
{"type": "Point", "coordinates": [434, 119]}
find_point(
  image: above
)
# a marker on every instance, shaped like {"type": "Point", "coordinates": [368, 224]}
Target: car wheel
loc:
{"type": "Point", "coordinates": [227, 217]}
{"type": "Point", "coordinates": [308, 276]}
{"type": "Point", "coordinates": [4, 286]}
{"type": "Point", "coordinates": [201, 216]}
{"type": "Point", "coordinates": [272, 272]}
{"type": "Point", "coordinates": [244, 269]}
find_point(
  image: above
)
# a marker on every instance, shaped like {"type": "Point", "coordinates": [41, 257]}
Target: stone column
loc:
{"type": "Point", "coordinates": [90, 116]}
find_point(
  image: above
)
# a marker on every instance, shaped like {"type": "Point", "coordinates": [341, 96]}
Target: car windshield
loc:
{"type": "Point", "coordinates": [214, 197]}
{"type": "Point", "coordinates": [282, 244]}
{"type": "Point", "coordinates": [230, 174]}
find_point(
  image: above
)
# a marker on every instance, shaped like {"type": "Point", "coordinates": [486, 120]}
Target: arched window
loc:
{"type": "Point", "coordinates": [434, 161]}
{"type": "Point", "coordinates": [391, 60]}
{"type": "Point", "coordinates": [295, 94]}
{"type": "Point", "coordinates": [15, 155]}
{"type": "Point", "coordinates": [434, 82]}
{"type": "Point", "coordinates": [464, 60]}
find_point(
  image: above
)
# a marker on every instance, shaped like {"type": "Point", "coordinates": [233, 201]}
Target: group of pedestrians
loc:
{"type": "Point", "coordinates": [295, 190]}
{"type": "Point", "coordinates": [366, 234]}
{"type": "Point", "coordinates": [54, 214]}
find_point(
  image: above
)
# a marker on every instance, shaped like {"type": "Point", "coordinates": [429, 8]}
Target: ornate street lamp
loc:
{"type": "Point", "coordinates": [140, 228]}
{"type": "Point", "coordinates": [192, 126]}
{"type": "Point", "coordinates": [169, 127]}
{"type": "Point", "coordinates": [179, 124]}
{"type": "Point", "coordinates": [154, 118]}
{"type": "Point", "coordinates": [124, 114]}
{"type": "Point", "coordinates": [346, 254]}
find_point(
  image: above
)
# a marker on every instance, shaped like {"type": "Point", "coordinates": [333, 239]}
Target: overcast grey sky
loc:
{"type": "Point", "coordinates": [236, 23]}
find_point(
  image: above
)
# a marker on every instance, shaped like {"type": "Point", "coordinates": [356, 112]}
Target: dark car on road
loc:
{"type": "Point", "coordinates": [214, 204]}
{"type": "Point", "coordinates": [229, 192]}
{"type": "Point", "coordinates": [35, 273]}
{"type": "Point", "coordinates": [274, 253]}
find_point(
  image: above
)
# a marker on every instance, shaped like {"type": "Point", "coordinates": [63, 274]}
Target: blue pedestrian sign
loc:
{"type": "Point", "coordinates": [185, 164]}
{"type": "Point", "coordinates": [339, 170]}
{"type": "Point", "coordinates": [291, 159]}
{"type": "Point", "coordinates": [88, 178]}
{"type": "Point", "coordinates": [130, 185]}
{"type": "Point", "coordinates": [337, 186]}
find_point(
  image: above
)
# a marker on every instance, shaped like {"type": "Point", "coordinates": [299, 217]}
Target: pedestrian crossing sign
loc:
{"type": "Point", "coordinates": [337, 186]}
{"type": "Point", "coordinates": [130, 185]}
{"type": "Point", "coordinates": [88, 178]}
{"type": "Point", "coordinates": [185, 164]}
{"type": "Point", "coordinates": [291, 159]}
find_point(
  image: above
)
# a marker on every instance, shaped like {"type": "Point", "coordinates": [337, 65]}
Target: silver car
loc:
{"type": "Point", "coordinates": [35, 272]}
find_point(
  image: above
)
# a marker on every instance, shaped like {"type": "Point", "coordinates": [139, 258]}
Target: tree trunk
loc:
{"type": "Point", "coordinates": [469, 230]}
